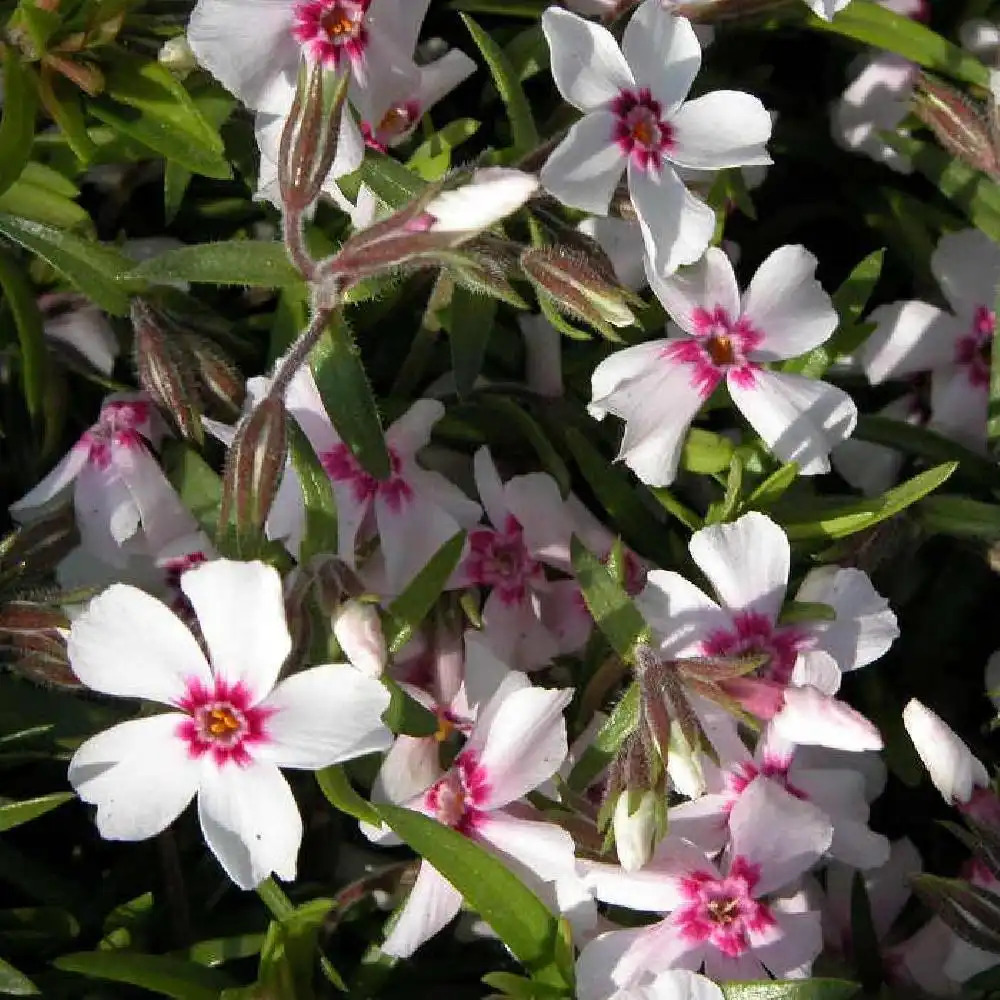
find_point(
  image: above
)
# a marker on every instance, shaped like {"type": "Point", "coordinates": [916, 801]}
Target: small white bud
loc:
{"type": "Point", "coordinates": [358, 629]}
{"type": "Point", "coordinates": [634, 834]}
{"type": "Point", "coordinates": [176, 55]}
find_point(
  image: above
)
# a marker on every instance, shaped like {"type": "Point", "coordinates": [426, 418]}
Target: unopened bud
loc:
{"type": "Point", "coordinates": [218, 377]}
{"type": "Point", "coordinates": [959, 123]}
{"type": "Point", "coordinates": [971, 912]}
{"type": "Point", "coordinates": [713, 11]}
{"type": "Point", "coordinates": [358, 630]}
{"type": "Point", "coordinates": [481, 272]}
{"type": "Point", "coordinates": [635, 828]}
{"type": "Point", "coordinates": [85, 75]}
{"type": "Point", "coordinates": [492, 194]}
{"type": "Point", "coordinates": [164, 370]}
{"type": "Point", "coordinates": [33, 639]}
{"type": "Point", "coordinates": [578, 287]}
{"type": "Point", "coordinates": [254, 467]}
{"type": "Point", "coordinates": [176, 55]}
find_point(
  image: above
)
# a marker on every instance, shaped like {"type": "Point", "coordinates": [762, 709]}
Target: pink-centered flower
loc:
{"type": "Point", "coordinates": [658, 387]}
{"type": "Point", "coordinates": [955, 345]}
{"type": "Point", "coordinates": [747, 562]}
{"type": "Point", "coordinates": [518, 742]}
{"type": "Point", "coordinates": [723, 918]}
{"type": "Point", "coordinates": [124, 503]}
{"type": "Point", "coordinates": [232, 724]}
{"type": "Point", "coordinates": [636, 120]}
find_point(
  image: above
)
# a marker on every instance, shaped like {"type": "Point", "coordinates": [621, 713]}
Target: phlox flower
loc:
{"type": "Point", "coordinates": [517, 743]}
{"type": "Point", "coordinates": [954, 345]}
{"type": "Point", "coordinates": [124, 503]}
{"type": "Point", "coordinates": [675, 984]}
{"type": "Point", "coordinates": [636, 120]}
{"type": "Point", "coordinates": [232, 724]}
{"type": "Point", "coordinates": [836, 793]}
{"type": "Point", "coordinates": [721, 917]}
{"type": "Point", "coordinates": [747, 563]}
{"type": "Point", "coordinates": [80, 329]}
{"type": "Point", "coordinates": [658, 387]}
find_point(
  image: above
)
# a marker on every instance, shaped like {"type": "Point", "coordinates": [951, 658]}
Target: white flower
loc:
{"type": "Point", "coordinates": [954, 346]}
{"type": "Point", "coordinates": [659, 386]}
{"type": "Point", "coordinates": [232, 726]}
{"type": "Point", "coordinates": [636, 119]}
{"type": "Point", "coordinates": [358, 629]}
{"type": "Point", "coordinates": [634, 831]}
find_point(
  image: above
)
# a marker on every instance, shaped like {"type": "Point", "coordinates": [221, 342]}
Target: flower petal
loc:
{"type": "Point", "coordinates": [709, 284]}
{"type": "Point", "coordinates": [131, 645]}
{"type": "Point", "coordinates": [788, 306]}
{"type": "Point", "coordinates": [139, 775]}
{"type": "Point", "coordinates": [725, 128]}
{"type": "Point", "coordinates": [325, 715]}
{"type": "Point", "coordinates": [247, 45]}
{"type": "Point", "coordinates": [959, 408]}
{"type": "Point", "coordinates": [967, 267]}
{"type": "Point", "coordinates": [662, 51]}
{"type": "Point", "coordinates": [747, 563]}
{"type": "Point", "coordinates": [597, 961]}
{"type": "Point", "coordinates": [799, 419]}
{"type": "Point", "coordinates": [807, 834]}
{"type": "Point", "coordinates": [811, 718]}
{"type": "Point", "coordinates": [587, 65]}
{"type": "Point", "coordinates": [584, 169]}
{"type": "Point", "coordinates": [799, 942]}
{"type": "Point", "coordinates": [490, 488]}
{"type": "Point", "coordinates": [679, 613]}
{"type": "Point", "coordinates": [909, 337]}
{"type": "Point", "coordinates": [241, 611]}
{"type": "Point", "coordinates": [621, 240]}
{"type": "Point", "coordinates": [54, 483]}
{"type": "Point", "coordinates": [432, 904]}
{"type": "Point", "coordinates": [250, 821]}
{"type": "Point", "coordinates": [544, 848]}
{"type": "Point", "coordinates": [522, 744]}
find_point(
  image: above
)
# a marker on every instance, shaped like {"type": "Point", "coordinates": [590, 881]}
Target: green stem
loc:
{"type": "Point", "coordinates": [274, 898]}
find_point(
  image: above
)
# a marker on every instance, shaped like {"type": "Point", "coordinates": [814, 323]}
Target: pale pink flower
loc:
{"type": "Point", "coordinates": [675, 984]}
{"type": "Point", "coordinates": [953, 344]}
{"type": "Point", "coordinates": [124, 503]}
{"type": "Point", "coordinates": [658, 387]}
{"type": "Point", "coordinates": [723, 918]}
{"type": "Point", "coordinates": [747, 563]}
{"type": "Point", "coordinates": [636, 120]}
{"type": "Point", "coordinates": [232, 724]}
{"type": "Point", "coordinates": [517, 743]}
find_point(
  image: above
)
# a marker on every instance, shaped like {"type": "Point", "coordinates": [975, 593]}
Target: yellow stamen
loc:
{"type": "Point", "coordinates": [720, 350]}
{"type": "Point", "coordinates": [222, 722]}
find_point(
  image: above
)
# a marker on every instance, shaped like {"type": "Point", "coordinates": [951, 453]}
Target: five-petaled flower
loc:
{"type": "Point", "coordinates": [233, 723]}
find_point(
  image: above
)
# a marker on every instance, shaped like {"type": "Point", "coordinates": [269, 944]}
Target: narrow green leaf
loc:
{"type": "Point", "coordinates": [405, 715]}
{"type": "Point", "coordinates": [841, 520]}
{"type": "Point", "coordinates": [290, 952]}
{"type": "Point", "coordinates": [519, 917]}
{"type": "Point", "coordinates": [347, 396]}
{"type": "Point", "coordinates": [63, 102]}
{"type": "Point", "coordinates": [611, 608]}
{"type": "Point", "coordinates": [960, 516]}
{"type": "Point", "coordinates": [726, 509]}
{"type": "Point", "coordinates": [390, 180]}
{"type": "Point", "coordinates": [432, 159]}
{"type": "Point", "coordinates": [412, 606]}
{"type": "Point", "coordinates": [871, 24]}
{"type": "Point", "coordinates": [798, 989]}
{"type": "Point", "coordinates": [99, 271]}
{"type": "Point", "coordinates": [14, 983]}
{"type": "Point", "coordinates": [17, 127]}
{"type": "Point", "coordinates": [793, 612]}
{"type": "Point", "coordinates": [472, 318]}
{"type": "Point", "coordinates": [522, 125]}
{"type": "Point", "coordinates": [15, 813]}
{"type": "Point", "coordinates": [197, 483]}
{"type": "Point", "coordinates": [317, 495]}
{"type": "Point", "coordinates": [340, 793]}
{"type": "Point", "coordinates": [41, 204]}
{"type": "Point", "coordinates": [236, 262]}
{"type": "Point", "coordinates": [20, 297]}
{"type": "Point", "coordinates": [622, 721]}
{"type": "Point", "coordinates": [169, 977]}
{"type": "Point", "coordinates": [772, 488]}
{"type": "Point", "coordinates": [705, 452]}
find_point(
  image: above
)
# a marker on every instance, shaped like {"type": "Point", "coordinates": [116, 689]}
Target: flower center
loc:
{"type": "Point", "coordinates": [755, 634]}
{"type": "Point", "coordinates": [773, 768]}
{"type": "Point", "coordinates": [974, 351]}
{"type": "Point", "coordinates": [222, 722]}
{"type": "Point", "coordinates": [501, 560]}
{"type": "Point", "coordinates": [327, 30]}
{"type": "Point", "coordinates": [640, 130]}
{"type": "Point", "coordinates": [342, 467]}
{"type": "Point", "coordinates": [454, 799]}
{"type": "Point", "coordinates": [724, 911]}
{"type": "Point", "coordinates": [721, 350]}
{"type": "Point", "coordinates": [120, 423]}
{"type": "Point", "coordinates": [340, 24]}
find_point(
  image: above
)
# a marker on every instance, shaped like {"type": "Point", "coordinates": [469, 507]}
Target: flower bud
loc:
{"type": "Point", "coordinates": [33, 637]}
{"type": "Point", "coordinates": [634, 825]}
{"type": "Point", "coordinates": [358, 629]}
{"type": "Point", "coordinates": [971, 912]}
{"type": "Point", "coordinates": [958, 122]}
{"type": "Point", "coordinates": [578, 287]}
{"type": "Point", "coordinates": [218, 377]}
{"type": "Point", "coordinates": [954, 771]}
{"type": "Point", "coordinates": [176, 55]}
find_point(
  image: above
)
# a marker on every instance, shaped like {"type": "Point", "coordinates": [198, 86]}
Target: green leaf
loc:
{"type": "Point", "coordinates": [20, 297]}
{"type": "Point", "coordinates": [347, 396]}
{"type": "Point", "coordinates": [705, 452]}
{"type": "Point", "coordinates": [773, 488]}
{"type": "Point", "coordinates": [169, 977]}
{"type": "Point", "coordinates": [519, 917]}
{"type": "Point", "coordinates": [799, 989]}
{"type": "Point", "coordinates": [317, 495]}
{"type": "Point", "coordinates": [99, 271]}
{"type": "Point", "coordinates": [145, 102]}
{"type": "Point", "coordinates": [405, 715]}
{"type": "Point", "coordinates": [340, 793]}
{"type": "Point", "coordinates": [17, 127]}
{"type": "Point", "coordinates": [972, 192]}
{"type": "Point", "coordinates": [290, 952]}
{"type": "Point", "coordinates": [197, 483]}
{"type": "Point", "coordinates": [235, 262]}
{"type": "Point", "coordinates": [41, 204]}
{"type": "Point", "coordinates": [840, 520]}
{"type": "Point", "coordinates": [960, 516]}
{"type": "Point", "coordinates": [622, 721]}
{"type": "Point", "coordinates": [871, 24]}
{"type": "Point", "coordinates": [14, 983]}
{"type": "Point", "coordinates": [611, 608]}
{"type": "Point", "coordinates": [390, 180]}
{"type": "Point", "coordinates": [472, 318]}
{"type": "Point", "coordinates": [432, 158]}
{"type": "Point", "coordinates": [15, 813]}
{"type": "Point", "coordinates": [522, 125]}
{"type": "Point", "coordinates": [412, 606]}
{"type": "Point", "coordinates": [726, 508]}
